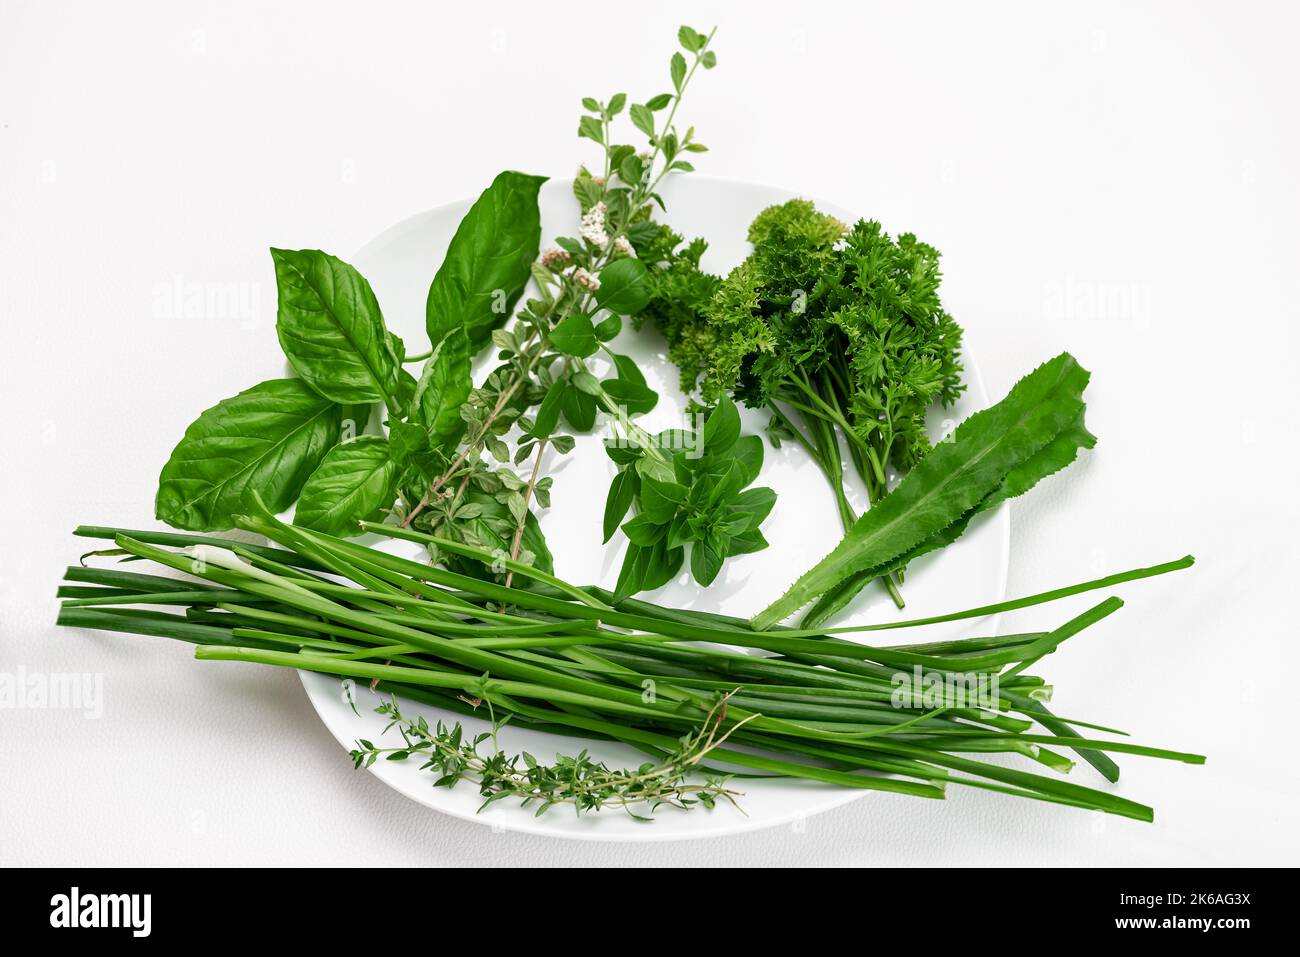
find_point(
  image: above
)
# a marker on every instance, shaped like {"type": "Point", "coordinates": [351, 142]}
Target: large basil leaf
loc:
{"type": "Point", "coordinates": [444, 386]}
{"type": "Point", "coordinates": [488, 262]}
{"type": "Point", "coordinates": [269, 438]}
{"type": "Point", "coordinates": [331, 329]}
{"type": "Point", "coordinates": [355, 481]}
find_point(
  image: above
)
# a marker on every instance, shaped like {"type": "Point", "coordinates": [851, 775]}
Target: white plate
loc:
{"type": "Point", "coordinates": [400, 264]}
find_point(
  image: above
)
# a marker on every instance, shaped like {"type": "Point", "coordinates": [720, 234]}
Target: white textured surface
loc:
{"type": "Point", "coordinates": [1118, 180]}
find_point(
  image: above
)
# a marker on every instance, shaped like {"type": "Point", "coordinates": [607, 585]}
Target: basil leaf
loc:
{"type": "Point", "coordinates": [663, 565]}
{"type": "Point", "coordinates": [632, 574]}
{"type": "Point", "coordinates": [621, 493]}
{"type": "Point", "coordinates": [659, 500]}
{"type": "Point", "coordinates": [623, 287]}
{"type": "Point", "coordinates": [331, 329]}
{"type": "Point", "coordinates": [748, 454]}
{"type": "Point", "coordinates": [574, 336]}
{"type": "Point", "coordinates": [586, 382]}
{"type": "Point", "coordinates": [705, 563]}
{"type": "Point", "coordinates": [488, 262]}
{"type": "Point", "coordinates": [355, 481]}
{"type": "Point", "coordinates": [444, 386]}
{"type": "Point", "coordinates": [722, 428]}
{"type": "Point", "coordinates": [754, 504]}
{"type": "Point", "coordinates": [644, 530]}
{"type": "Point", "coordinates": [406, 387]}
{"type": "Point", "coordinates": [751, 541]}
{"type": "Point", "coordinates": [406, 440]}
{"type": "Point", "coordinates": [269, 438]}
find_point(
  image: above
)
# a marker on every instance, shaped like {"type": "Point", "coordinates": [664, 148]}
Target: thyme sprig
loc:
{"type": "Point", "coordinates": [577, 781]}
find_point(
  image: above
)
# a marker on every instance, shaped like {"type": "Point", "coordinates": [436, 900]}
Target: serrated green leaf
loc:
{"type": "Point", "coordinates": [642, 119]}
{"type": "Point", "coordinates": [590, 127]}
{"type": "Point", "coordinates": [677, 69]}
{"type": "Point", "coordinates": [631, 170]}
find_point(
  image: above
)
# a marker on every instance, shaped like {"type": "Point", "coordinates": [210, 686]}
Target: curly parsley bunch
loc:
{"type": "Point", "coordinates": [828, 326]}
{"type": "Point", "coordinates": [838, 331]}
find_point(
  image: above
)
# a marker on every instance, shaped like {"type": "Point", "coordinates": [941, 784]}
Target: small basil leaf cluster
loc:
{"type": "Point", "coordinates": [690, 491]}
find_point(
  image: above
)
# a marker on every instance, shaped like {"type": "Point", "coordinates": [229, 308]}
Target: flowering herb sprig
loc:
{"type": "Point", "coordinates": [586, 284]}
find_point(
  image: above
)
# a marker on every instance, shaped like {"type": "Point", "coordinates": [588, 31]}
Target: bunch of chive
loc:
{"type": "Point", "coordinates": [567, 659]}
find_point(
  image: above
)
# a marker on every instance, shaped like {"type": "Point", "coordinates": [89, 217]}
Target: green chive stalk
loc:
{"type": "Point", "coordinates": [799, 703]}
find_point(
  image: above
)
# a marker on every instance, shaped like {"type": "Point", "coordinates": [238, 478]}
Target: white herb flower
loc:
{"type": "Point", "coordinates": [584, 278]}
{"type": "Point", "coordinates": [555, 258]}
{"type": "Point", "coordinates": [621, 245]}
{"type": "Point", "coordinates": [593, 226]}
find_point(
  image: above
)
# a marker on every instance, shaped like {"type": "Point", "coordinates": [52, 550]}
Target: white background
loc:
{"type": "Point", "coordinates": [1115, 179]}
